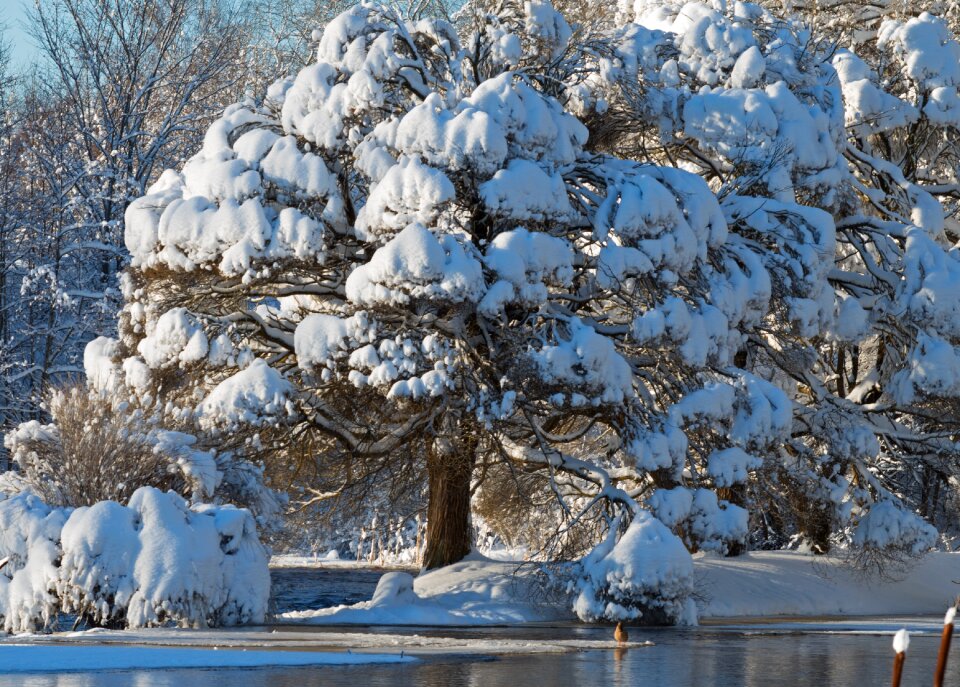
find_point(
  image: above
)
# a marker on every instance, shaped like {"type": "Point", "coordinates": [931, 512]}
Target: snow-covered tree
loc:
{"type": "Point", "coordinates": [408, 254]}
{"type": "Point", "coordinates": [121, 91]}
{"type": "Point", "coordinates": [784, 127]}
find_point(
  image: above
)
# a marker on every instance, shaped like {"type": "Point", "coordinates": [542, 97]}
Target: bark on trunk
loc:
{"type": "Point", "coordinates": [449, 469]}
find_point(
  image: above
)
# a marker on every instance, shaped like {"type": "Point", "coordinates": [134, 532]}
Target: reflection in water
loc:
{"type": "Point", "coordinates": [708, 657]}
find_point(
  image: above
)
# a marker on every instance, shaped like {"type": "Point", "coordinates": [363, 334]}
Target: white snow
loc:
{"type": "Point", "coordinates": [730, 466]}
{"type": "Point", "coordinates": [789, 583]}
{"type": "Point", "coordinates": [254, 395]}
{"type": "Point", "coordinates": [927, 48]}
{"type": "Point", "coordinates": [526, 262]}
{"type": "Point", "coordinates": [29, 539]}
{"type": "Point", "coordinates": [175, 337]}
{"type": "Point", "coordinates": [759, 584]}
{"type": "Point", "coordinates": [866, 106]}
{"type": "Point", "coordinates": [410, 192]}
{"type": "Point", "coordinates": [901, 641]}
{"type": "Point", "coordinates": [417, 264]}
{"type": "Point", "coordinates": [586, 362]}
{"type": "Point", "coordinates": [98, 363]}
{"type": "Point", "coordinates": [473, 592]}
{"type": "Point", "coordinates": [886, 524]}
{"type": "Point", "coordinates": [524, 192]}
{"type": "Point", "coordinates": [357, 643]}
{"type": "Point", "coordinates": [318, 338]}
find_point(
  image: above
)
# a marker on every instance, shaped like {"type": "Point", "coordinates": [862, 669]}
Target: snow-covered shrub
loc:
{"type": "Point", "coordinates": [153, 562]}
{"type": "Point", "coordinates": [90, 451]}
{"type": "Point", "coordinates": [647, 576]}
{"type": "Point", "coordinates": [30, 548]}
{"type": "Point", "coordinates": [158, 561]}
{"type": "Point", "coordinates": [99, 447]}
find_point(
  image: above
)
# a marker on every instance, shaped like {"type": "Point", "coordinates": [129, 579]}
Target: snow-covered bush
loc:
{"type": "Point", "coordinates": [646, 575]}
{"type": "Point", "coordinates": [157, 560]}
{"type": "Point", "coordinates": [30, 548]}
{"type": "Point", "coordinates": [153, 562]}
{"type": "Point", "coordinates": [90, 451]}
{"type": "Point", "coordinates": [99, 447]}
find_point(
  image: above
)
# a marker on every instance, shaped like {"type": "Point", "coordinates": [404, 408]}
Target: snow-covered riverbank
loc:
{"type": "Point", "coordinates": [786, 583]}
{"type": "Point", "coordinates": [758, 584]}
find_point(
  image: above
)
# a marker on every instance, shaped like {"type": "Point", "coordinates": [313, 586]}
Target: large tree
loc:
{"type": "Point", "coordinates": [767, 107]}
{"type": "Point", "coordinates": [407, 259]}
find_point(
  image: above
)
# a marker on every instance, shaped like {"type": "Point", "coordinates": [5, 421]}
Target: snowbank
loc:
{"type": "Point", "coordinates": [759, 584]}
{"type": "Point", "coordinates": [787, 583]}
{"type": "Point", "coordinates": [472, 592]}
{"type": "Point", "coordinates": [19, 658]}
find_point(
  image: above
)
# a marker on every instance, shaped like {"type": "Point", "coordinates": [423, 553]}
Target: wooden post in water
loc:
{"type": "Point", "coordinates": [944, 646]}
{"type": "Point", "coordinates": [901, 642]}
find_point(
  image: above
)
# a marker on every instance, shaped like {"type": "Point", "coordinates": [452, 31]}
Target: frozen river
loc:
{"type": "Point", "coordinates": [808, 653]}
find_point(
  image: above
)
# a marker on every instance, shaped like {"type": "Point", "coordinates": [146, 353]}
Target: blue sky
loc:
{"type": "Point", "coordinates": [12, 14]}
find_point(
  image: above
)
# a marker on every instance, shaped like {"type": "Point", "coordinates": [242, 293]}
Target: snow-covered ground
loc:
{"type": "Point", "coordinates": [56, 658]}
{"type": "Point", "coordinates": [472, 592]}
{"type": "Point", "coordinates": [321, 560]}
{"type": "Point", "coordinates": [786, 583]}
{"type": "Point", "coordinates": [758, 584]}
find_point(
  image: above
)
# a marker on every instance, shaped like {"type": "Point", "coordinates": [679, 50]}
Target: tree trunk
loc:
{"type": "Point", "coordinates": [449, 468]}
{"type": "Point", "coordinates": [735, 494]}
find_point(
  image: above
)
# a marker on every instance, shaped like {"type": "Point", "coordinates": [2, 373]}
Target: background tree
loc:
{"type": "Point", "coordinates": [789, 116]}
{"type": "Point", "coordinates": [122, 91]}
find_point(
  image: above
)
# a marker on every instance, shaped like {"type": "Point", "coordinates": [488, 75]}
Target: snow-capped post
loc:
{"type": "Point", "coordinates": [901, 642]}
{"type": "Point", "coordinates": [944, 652]}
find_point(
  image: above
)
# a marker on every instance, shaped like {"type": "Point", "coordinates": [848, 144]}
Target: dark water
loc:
{"type": "Point", "coordinates": [710, 656]}
{"type": "Point", "coordinates": [300, 589]}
